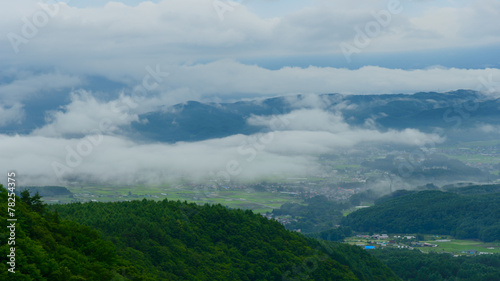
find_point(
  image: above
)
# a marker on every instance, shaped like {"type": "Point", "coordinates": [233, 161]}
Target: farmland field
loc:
{"type": "Point", "coordinates": [448, 245]}
{"type": "Point", "coordinates": [259, 202]}
{"type": "Point", "coordinates": [457, 246]}
{"type": "Point", "coordinates": [485, 152]}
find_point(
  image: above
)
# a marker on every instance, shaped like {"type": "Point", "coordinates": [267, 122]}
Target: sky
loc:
{"type": "Point", "coordinates": [66, 65]}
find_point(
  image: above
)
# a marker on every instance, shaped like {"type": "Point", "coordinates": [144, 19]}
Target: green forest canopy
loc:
{"type": "Point", "coordinates": [166, 240]}
{"type": "Point", "coordinates": [413, 265]}
{"type": "Point", "coordinates": [434, 212]}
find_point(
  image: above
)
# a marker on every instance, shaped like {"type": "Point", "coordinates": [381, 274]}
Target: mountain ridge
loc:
{"type": "Point", "coordinates": [197, 121]}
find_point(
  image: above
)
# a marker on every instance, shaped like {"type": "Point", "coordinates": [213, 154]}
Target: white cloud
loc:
{"type": "Point", "coordinates": [303, 120]}
{"type": "Point", "coordinates": [86, 114]}
{"type": "Point", "coordinates": [189, 41]}
{"type": "Point", "coordinates": [488, 128]}
{"type": "Point", "coordinates": [290, 149]}
{"type": "Point", "coordinates": [309, 101]}
{"type": "Point", "coordinates": [118, 41]}
{"type": "Point", "coordinates": [24, 84]}
{"type": "Point", "coordinates": [120, 161]}
{"type": "Point", "coordinates": [472, 24]}
{"type": "Point", "coordinates": [313, 131]}
{"type": "Point", "coordinates": [12, 114]}
{"type": "Point", "coordinates": [231, 79]}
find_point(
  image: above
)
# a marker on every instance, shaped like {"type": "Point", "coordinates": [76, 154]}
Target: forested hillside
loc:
{"type": "Point", "coordinates": [413, 265]}
{"type": "Point", "coordinates": [47, 248]}
{"type": "Point", "coordinates": [473, 189]}
{"type": "Point", "coordinates": [180, 241]}
{"type": "Point", "coordinates": [460, 215]}
{"type": "Point", "coordinates": [314, 215]}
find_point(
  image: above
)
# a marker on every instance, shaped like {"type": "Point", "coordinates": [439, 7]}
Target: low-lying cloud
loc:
{"type": "Point", "coordinates": [232, 80]}
{"type": "Point", "coordinates": [202, 54]}
{"type": "Point", "coordinates": [85, 114]}
{"type": "Point", "coordinates": [290, 148]}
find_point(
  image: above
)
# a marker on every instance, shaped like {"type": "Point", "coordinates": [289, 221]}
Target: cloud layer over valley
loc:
{"type": "Point", "coordinates": [288, 145]}
{"type": "Point", "coordinates": [77, 76]}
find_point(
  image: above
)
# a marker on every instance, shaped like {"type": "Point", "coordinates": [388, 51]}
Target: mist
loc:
{"type": "Point", "coordinates": [288, 145]}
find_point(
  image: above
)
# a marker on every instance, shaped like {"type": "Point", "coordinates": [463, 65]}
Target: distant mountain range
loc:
{"type": "Point", "coordinates": [195, 121]}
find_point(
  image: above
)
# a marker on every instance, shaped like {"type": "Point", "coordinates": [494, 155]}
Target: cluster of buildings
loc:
{"type": "Point", "coordinates": [375, 241]}
{"type": "Point", "coordinates": [395, 241]}
{"type": "Point", "coordinates": [303, 189]}
{"type": "Point", "coordinates": [284, 220]}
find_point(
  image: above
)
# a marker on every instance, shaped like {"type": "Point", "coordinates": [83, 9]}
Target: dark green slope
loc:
{"type": "Point", "coordinates": [473, 189]}
{"type": "Point", "coordinates": [181, 241]}
{"type": "Point", "coordinates": [460, 215]}
{"type": "Point", "coordinates": [192, 121]}
{"type": "Point", "coordinates": [413, 265]}
{"type": "Point", "coordinates": [47, 248]}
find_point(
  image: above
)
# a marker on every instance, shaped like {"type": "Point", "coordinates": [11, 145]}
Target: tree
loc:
{"type": "Point", "coordinates": [34, 202]}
